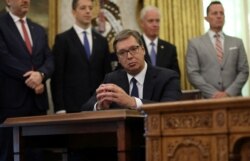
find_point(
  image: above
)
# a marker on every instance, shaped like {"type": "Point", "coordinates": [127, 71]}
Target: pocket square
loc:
{"type": "Point", "coordinates": [233, 48]}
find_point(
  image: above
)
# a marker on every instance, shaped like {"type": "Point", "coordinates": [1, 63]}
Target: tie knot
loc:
{"type": "Point", "coordinates": [21, 20]}
{"type": "Point", "coordinates": [217, 35]}
{"type": "Point", "coordinates": [152, 44]}
{"type": "Point", "coordinates": [133, 80]}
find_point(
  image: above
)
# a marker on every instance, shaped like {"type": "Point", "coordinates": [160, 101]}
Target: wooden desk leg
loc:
{"type": "Point", "coordinates": [123, 142]}
{"type": "Point", "coordinates": [234, 157]}
{"type": "Point", "coordinates": [65, 155]}
{"type": "Point", "coordinates": [16, 143]}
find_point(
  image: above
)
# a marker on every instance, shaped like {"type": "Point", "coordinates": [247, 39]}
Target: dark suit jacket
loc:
{"type": "Point", "coordinates": [15, 60]}
{"type": "Point", "coordinates": [166, 55]}
{"type": "Point", "coordinates": [76, 78]}
{"type": "Point", "coordinates": [160, 85]}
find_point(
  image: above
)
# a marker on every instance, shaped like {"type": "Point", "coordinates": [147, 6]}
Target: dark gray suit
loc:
{"type": "Point", "coordinates": [206, 74]}
{"type": "Point", "coordinates": [76, 78]}
{"type": "Point", "coordinates": [160, 85]}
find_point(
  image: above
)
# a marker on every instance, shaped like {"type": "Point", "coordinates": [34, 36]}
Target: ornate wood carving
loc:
{"type": "Point", "coordinates": [156, 152]}
{"type": "Point", "coordinates": [201, 130]}
{"type": "Point", "coordinates": [184, 121]}
{"type": "Point", "coordinates": [240, 118]}
{"type": "Point", "coordinates": [189, 149]}
{"type": "Point", "coordinates": [222, 148]}
{"type": "Point", "coordinates": [152, 123]}
{"type": "Point", "coordinates": [220, 119]}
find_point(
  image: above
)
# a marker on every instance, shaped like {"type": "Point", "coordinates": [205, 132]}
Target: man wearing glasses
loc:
{"type": "Point", "coordinates": [138, 82]}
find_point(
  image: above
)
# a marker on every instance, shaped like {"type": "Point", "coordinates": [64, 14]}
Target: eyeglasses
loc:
{"type": "Point", "coordinates": [132, 50]}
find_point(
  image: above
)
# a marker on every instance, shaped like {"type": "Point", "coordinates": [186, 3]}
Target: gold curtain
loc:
{"type": "Point", "coordinates": [180, 21]}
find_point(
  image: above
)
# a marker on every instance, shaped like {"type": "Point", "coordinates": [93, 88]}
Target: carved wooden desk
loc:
{"type": "Point", "coordinates": [124, 126]}
{"type": "Point", "coordinates": [198, 130]}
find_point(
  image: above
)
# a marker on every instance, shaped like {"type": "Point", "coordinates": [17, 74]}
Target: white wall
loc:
{"type": "Point", "coordinates": [127, 9]}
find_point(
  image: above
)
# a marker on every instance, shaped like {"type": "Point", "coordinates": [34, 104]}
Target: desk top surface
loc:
{"type": "Point", "coordinates": [87, 116]}
{"type": "Point", "coordinates": [198, 104]}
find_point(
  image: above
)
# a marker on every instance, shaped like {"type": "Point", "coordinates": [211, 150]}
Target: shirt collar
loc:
{"type": "Point", "coordinates": [140, 76]}
{"type": "Point", "coordinates": [212, 33]}
{"type": "Point", "coordinates": [80, 30]}
{"type": "Point", "coordinates": [148, 41]}
{"type": "Point", "coordinates": [16, 18]}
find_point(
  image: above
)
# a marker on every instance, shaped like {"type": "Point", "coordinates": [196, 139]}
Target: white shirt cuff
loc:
{"type": "Point", "coordinates": [138, 103]}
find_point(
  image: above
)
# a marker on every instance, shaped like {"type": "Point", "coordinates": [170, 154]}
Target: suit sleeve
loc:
{"type": "Point", "coordinates": [59, 53]}
{"type": "Point", "coordinates": [9, 64]}
{"type": "Point", "coordinates": [175, 65]}
{"type": "Point", "coordinates": [107, 61]}
{"type": "Point", "coordinates": [243, 72]}
{"type": "Point", "coordinates": [47, 66]}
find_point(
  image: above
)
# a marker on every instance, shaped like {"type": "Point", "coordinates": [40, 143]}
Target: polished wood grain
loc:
{"type": "Point", "coordinates": [122, 129]}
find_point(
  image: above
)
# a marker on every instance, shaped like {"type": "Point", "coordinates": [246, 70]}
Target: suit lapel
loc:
{"type": "Point", "coordinates": [34, 36]}
{"type": "Point", "coordinates": [123, 81]}
{"type": "Point", "coordinates": [78, 44]}
{"type": "Point", "coordinates": [226, 49]}
{"type": "Point", "coordinates": [15, 31]}
{"type": "Point", "coordinates": [210, 47]}
{"type": "Point", "coordinates": [95, 45]}
{"type": "Point", "coordinates": [146, 57]}
{"type": "Point", "coordinates": [160, 51]}
{"type": "Point", "coordinates": [149, 83]}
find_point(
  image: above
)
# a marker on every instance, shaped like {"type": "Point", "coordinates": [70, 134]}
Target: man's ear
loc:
{"type": "Point", "coordinates": [143, 49]}
{"type": "Point", "coordinates": [206, 18]}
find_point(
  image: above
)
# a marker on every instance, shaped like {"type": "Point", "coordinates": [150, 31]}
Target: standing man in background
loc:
{"type": "Point", "coordinates": [217, 63]}
{"type": "Point", "coordinates": [25, 64]}
{"type": "Point", "coordinates": [158, 52]}
{"type": "Point", "coordinates": [81, 61]}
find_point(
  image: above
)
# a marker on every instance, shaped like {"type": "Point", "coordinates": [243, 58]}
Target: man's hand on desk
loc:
{"type": "Point", "coordinates": [108, 93]}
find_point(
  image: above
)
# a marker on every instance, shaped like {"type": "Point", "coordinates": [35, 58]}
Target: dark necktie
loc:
{"type": "Point", "coordinates": [86, 44]}
{"type": "Point", "coordinates": [26, 36]}
{"type": "Point", "coordinates": [134, 91]}
{"type": "Point", "coordinates": [218, 47]}
{"type": "Point", "coordinates": [153, 54]}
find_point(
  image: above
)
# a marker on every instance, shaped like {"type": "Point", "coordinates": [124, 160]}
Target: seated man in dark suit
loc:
{"type": "Point", "coordinates": [138, 82]}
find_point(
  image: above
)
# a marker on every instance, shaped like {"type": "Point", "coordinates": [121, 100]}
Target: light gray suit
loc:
{"type": "Point", "coordinates": [207, 74]}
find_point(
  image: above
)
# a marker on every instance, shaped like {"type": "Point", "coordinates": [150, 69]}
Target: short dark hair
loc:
{"type": "Point", "coordinates": [124, 34]}
{"type": "Point", "coordinates": [74, 4]}
{"type": "Point", "coordinates": [212, 3]}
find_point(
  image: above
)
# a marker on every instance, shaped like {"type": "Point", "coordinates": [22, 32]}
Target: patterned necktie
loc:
{"type": "Point", "coordinates": [134, 91]}
{"type": "Point", "coordinates": [153, 54]}
{"type": "Point", "coordinates": [218, 47]}
{"type": "Point", "coordinates": [86, 44]}
{"type": "Point", "coordinates": [26, 36]}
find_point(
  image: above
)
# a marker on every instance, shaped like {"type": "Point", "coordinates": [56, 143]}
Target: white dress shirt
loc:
{"type": "Point", "coordinates": [80, 31]}
{"type": "Point", "coordinates": [19, 27]}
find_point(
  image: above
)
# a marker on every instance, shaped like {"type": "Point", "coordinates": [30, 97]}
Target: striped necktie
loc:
{"type": "Point", "coordinates": [218, 47]}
